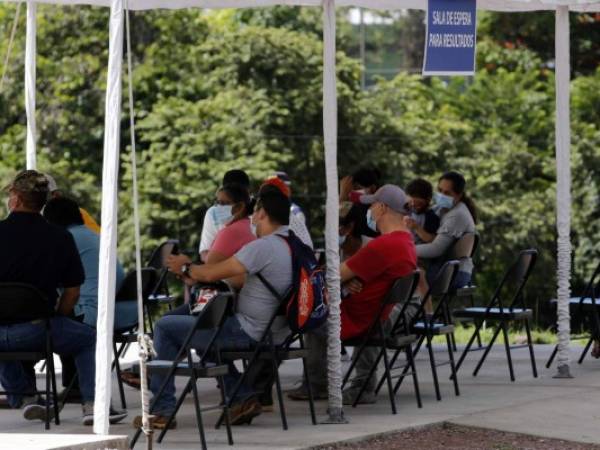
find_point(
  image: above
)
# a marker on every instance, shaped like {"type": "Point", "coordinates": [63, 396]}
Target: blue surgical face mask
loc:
{"type": "Point", "coordinates": [371, 222]}
{"type": "Point", "coordinates": [342, 239]}
{"type": "Point", "coordinates": [443, 201]}
{"type": "Point", "coordinates": [222, 214]}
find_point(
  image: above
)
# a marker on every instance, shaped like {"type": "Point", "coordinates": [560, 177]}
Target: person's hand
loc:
{"type": "Point", "coordinates": [345, 187]}
{"type": "Point", "coordinates": [410, 223]}
{"type": "Point", "coordinates": [354, 286]}
{"type": "Point", "coordinates": [175, 262]}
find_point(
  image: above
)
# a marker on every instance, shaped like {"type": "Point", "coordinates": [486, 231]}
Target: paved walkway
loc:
{"type": "Point", "coordinates": [565, 409]}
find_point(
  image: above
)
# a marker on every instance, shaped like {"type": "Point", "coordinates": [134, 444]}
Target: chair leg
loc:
{"type": "Point", "coordinates": [388, 375]}
{"type": "Point", "coordinates": [436, 383]}
{"type": "Point", "coordinates": [530, 345]}
{"type": "Point", "coordinates": [47, 422]}
{"type": "Point", "coordinates": [479, 341]}
{"type": "Point", "coordinates": [52, 371]}
{"type": "Point", "coordinates": [279, 394]}
{"type": "Point", "coordinates": [198, 412]}
{"type": "Point", "coordinates": [382, 379]}
{"type": "Point", "coordinates": [453, 340]}
{"type": "Point", "coordinates": [452, 365]}
{"type": "Point", "coordinates": [311, 402]}
{"type": "Point", "coordinates": [411, 361]}
{"type": "Point", "coordinates": [363, 386]}
{"type": "Point", "coordinates": [406, 368]}
{"type": "Point", "coordinates": [552, 356]}
{"type": "Point", "coordinates": [486, 351]}
{"type": "Point", "coordinates": [225, 409]}
{"type": "Point", "coordinates": [507, 347]}
{"type": "Point", "coordinates": [119, 381]}
{"type": "Point", "coordinates": [469, 345]}
{"type": "Point", "coordinates": [353, 361]}
{"type": "Point", "coordinates": [585, 350]}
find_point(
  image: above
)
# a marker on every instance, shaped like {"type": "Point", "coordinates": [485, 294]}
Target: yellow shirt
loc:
{"type": "Point", "coordinates": [89, 221]}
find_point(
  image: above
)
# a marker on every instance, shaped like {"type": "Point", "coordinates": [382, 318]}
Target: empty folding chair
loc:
{"type": "Point", "coordinates": [506, 305]}
{"type": "Point", "coordinates": [160, 293]}
{"type": "Point", "coordinates": [426, 328]}
{"type": "Point", "coordinates": [390, 336]}
{"type": "Point", "coordinates": [20, 303]}
{"type": "Point", "coordinates": [210, 318]}
{"type": "Point", "coordinates": [586, 310]}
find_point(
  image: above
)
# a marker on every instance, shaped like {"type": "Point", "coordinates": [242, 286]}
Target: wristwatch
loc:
{"type": "Point", "coordinates": [185, 269]}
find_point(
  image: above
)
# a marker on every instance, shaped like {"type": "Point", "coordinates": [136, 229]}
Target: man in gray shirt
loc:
{"type": "Point", "coordinates": [271, 257]}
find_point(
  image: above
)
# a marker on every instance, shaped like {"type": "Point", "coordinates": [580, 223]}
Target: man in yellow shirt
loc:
{"type": "Point", "coordinates": [88, 220]}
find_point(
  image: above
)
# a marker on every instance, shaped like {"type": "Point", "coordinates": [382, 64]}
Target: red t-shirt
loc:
{"type": "Point", "coordinates": [233, 237]}
{"type": "Point", "coordinates": [378, 264]}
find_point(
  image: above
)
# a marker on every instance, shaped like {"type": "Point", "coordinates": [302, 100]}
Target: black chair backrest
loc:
{"type": "Point", "coordinates": [128, 290]}
{"type": "Point", "coordinates": [592, 289]}
{"type": "Point", "coordinates": [159, 256]}
{"type": "Point", "coordinates": [402, 290]}
{"type": "Point", "coordinates": [20, 302]}
{"type": "Point", "coordinates": [513, 282]}
{"type": "Point", "coordinates": [440, 288]}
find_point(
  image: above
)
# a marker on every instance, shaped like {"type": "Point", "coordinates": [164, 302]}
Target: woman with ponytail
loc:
{"type": "Point", "coordinates": [458, 216]}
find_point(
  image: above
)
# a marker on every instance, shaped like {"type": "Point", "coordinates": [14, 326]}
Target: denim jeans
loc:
{"type": "Point", "coordinates": [169, 334]}
{"type": "Point", "coordinates": [68, 337]}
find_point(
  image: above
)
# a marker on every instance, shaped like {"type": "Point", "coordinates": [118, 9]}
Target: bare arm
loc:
{"type": "Point", "coordinates": [208, 273]}
{"type": "Point", "coordinates": [67, 301]}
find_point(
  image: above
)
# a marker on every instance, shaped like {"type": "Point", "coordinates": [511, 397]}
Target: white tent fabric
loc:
{"type": "Point", "coordinates": [108, 237]}
{"type": "Point", "coordinates": [30, 72]}
{"type": "Point", "coordinates": [334, 368]}
{"type": "Point", "coordinates": [112, 140]}
{"type": "Point", "coordinates": [490, 5]}
{"type": "Point", "coordinates": [563, 185]}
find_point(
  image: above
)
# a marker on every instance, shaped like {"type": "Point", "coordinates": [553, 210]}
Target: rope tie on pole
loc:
{"type": "Point", "coordinates": [146, 348]}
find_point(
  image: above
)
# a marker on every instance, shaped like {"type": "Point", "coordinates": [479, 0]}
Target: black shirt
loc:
{"type": "Point", "coordinates": [38, 253]}
{"type": "Point", "coordinates": [432, 222]}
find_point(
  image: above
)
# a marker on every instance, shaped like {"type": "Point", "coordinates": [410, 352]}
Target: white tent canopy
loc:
{"type": "Point", "coordinates": [112, 143]}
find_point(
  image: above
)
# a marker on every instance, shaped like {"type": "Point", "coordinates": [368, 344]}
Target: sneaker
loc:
{"type": "Point", "coordinates": [36, 410]}
{"type": "Point", "coordinates": [367, 397]}
{"type": "Point", "coordinates": [158, 422]}
{"type": "Point", "coordinates": [243, 412]}
{"type": "Point", "coordinates": [301, 394]}
{"type": "Point", "coordinates": [87, 419]}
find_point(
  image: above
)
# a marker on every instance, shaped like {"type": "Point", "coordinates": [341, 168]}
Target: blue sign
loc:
{"type": "Point", "coordinates": [451, 37]}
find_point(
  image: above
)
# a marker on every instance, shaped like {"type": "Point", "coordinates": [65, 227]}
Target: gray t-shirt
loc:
{"type": "Point", "coordinates": [454, 223]}
{"type": "Point", "coordinates": [271, 256]}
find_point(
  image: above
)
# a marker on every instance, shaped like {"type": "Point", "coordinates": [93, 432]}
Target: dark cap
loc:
{"type": "Point", "coordinates": [29, 181]}
{"type": "Point", "coordinates": [390, 195]}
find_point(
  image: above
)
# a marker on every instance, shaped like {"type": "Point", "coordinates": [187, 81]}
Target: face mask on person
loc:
{"type": "Point", "coordinates": [253, 229]}
{"type": "Point", "coordinates": [342, 239]}
{"type": "Point", "coordinates": [370, 221]}
{"type": "Point", "coordinates": [443, 201]}
{"type": "Point", "coordinates": [222, 214]}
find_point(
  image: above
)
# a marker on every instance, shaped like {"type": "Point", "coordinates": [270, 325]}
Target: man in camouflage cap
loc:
{"type": "Point", "coordinates": [45, 256]}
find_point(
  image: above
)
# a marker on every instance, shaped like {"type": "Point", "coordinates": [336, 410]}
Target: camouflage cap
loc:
{"type": "Point", "coordinates": [29, 181]}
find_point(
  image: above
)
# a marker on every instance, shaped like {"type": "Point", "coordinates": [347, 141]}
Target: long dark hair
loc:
{"type": "Point", "coordinates": [458, 186]}
{"type": "Point", "coordinates": [239, 194]}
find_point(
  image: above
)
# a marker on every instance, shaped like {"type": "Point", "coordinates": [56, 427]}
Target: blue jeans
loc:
{"type": "Point", "coordinates": [68, 337]}
{"type": "Point", "coordinates": [169, 334]}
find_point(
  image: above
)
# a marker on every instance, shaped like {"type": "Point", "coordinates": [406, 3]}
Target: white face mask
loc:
{"type": "Point", "coordinates": [222, 214]}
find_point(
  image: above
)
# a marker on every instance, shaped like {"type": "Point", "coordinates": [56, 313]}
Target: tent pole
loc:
{"type": "Point", "coordinates": [30, 69]}
{"type": "Point", "coordinates": [334, 363]}
{"type": "Point", "coordinates": [108, 237]}
{"type": "Point", "coordinates": [563, 187]}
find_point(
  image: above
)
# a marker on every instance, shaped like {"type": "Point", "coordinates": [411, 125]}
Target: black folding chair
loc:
{"type": "Point", "coordinates": [438, 325]}
{"type": "Point", "coordinates": [585, 309]}
{"type": "Point", "coordinates": [19, 303]}
{"type": "Point", "coordinates": [123, 337]}
{"type": "Point", "coordinates": [465, 247]}
{"type": "Point", "coordinates": [395, 337]}
{"type": "Point", "coordinates": [160, 291]}
{"type": "Point", "coordinates": [511, 287]}
{"type": "Point", "coordinates": [212, 318]}
{"type": "Point", "coordinates": [267, 350]}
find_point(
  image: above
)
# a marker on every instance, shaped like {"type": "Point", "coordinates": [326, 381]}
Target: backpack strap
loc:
{"type": "Point", "coordinates": [272, 290]}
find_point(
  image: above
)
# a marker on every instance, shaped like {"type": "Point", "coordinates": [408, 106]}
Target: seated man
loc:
{"type": "Point", "coordinates": [367, 277]}
{"type": "Point", "coordinates": [269, 255]}
{"type": "Point", "coordinates": [45, 256]}
{"type": "Point", "coordinates": [423, 221]}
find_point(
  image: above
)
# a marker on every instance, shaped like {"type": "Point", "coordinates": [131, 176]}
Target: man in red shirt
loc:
{"type": "Point", "coordinates": [366, 279]}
